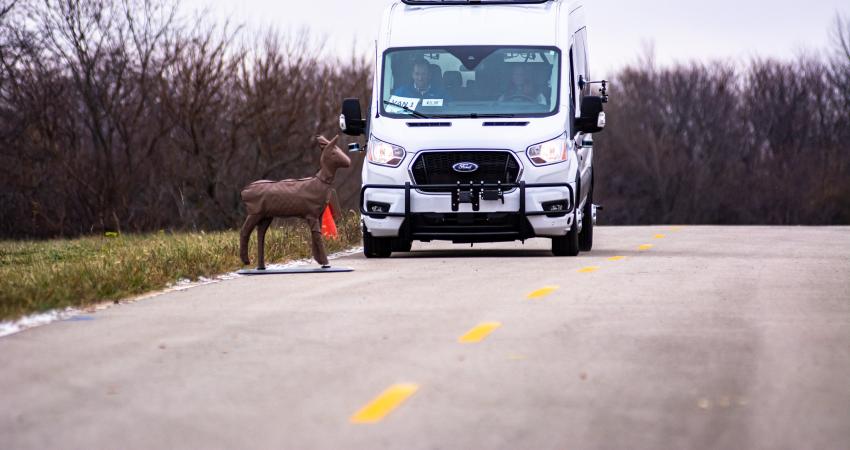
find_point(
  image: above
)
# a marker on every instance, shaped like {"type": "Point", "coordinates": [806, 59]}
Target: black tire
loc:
{"type": "Point", "coordinates": [375, 247]}
{"type": "Point", "coordinates": [585, 238]}
{"type": "Point", "coordinates": [402, 245]}
{"type": "Point", "coordinates": [567, 245]}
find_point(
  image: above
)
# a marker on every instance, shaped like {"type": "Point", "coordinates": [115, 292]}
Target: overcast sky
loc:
{"type": "Point", "coordinates": [679, 30]}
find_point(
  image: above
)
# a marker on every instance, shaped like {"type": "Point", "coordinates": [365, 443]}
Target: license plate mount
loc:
{"type": "Point", "coordinates": [474, 193]}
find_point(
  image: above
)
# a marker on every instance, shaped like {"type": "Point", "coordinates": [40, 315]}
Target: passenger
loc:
{"type": "Point", "coordinates": [421, 86]}
{"type": "Point", "coordinates": [522, 88]}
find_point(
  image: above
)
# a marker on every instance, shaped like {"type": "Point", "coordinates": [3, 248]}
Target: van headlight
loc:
{"type": "Point", "coordinates": [384, 153]}
{"type": "Point", "coordinates": [549, 152]}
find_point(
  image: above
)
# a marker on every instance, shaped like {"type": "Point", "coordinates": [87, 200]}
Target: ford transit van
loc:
{"type": "Point", "coordinates": [479, 125]}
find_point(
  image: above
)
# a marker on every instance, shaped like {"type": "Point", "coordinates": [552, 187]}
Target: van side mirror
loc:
{"type": "Point", "coordinates": [592, 119]}
{"type": "Point", "coordinates": [351, 120]}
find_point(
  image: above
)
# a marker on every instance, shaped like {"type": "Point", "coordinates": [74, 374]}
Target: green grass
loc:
{"type": "Point", "coordinates": [38, 276]}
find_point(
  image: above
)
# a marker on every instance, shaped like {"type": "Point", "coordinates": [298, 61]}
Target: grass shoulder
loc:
{"type": "Point", "coordinates": [38, 276]}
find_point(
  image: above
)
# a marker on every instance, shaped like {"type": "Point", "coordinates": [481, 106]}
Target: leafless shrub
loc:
{"type": "Point", "coordinates": [711, 143]}
{"type": "Point", "coordinates": [116, 115]}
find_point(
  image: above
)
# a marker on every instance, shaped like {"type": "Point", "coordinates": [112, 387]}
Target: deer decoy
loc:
{"type": "Point", "coordinates": [305, 198]}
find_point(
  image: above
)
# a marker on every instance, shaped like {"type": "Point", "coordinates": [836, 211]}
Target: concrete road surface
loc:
{"type": "Point", "coordinates": [661, 337]}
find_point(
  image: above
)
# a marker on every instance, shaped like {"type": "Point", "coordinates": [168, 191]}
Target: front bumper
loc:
{"type": "Point", "coordinates": [465, 215]}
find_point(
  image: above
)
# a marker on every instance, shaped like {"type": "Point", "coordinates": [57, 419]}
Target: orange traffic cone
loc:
{"type": "Point", "coordinates": [328, 225]}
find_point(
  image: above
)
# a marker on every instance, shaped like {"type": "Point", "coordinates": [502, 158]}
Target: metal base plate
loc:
{"type": "Point", "coordinates": [294, 270]}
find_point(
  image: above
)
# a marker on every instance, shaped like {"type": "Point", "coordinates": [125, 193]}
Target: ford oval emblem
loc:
{"type": "Point", "coordinates": [465, 167]}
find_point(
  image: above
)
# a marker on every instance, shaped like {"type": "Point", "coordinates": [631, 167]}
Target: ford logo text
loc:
{"type": "Point", "coordinates": [465, 167]}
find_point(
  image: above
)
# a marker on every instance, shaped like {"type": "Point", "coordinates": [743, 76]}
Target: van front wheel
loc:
{"type": "Point", "coordinates": [375, 247]}
{"type": "Point", "coordinates": [566, 245]}
{"type": "Point", "coordinates": [585, 238]}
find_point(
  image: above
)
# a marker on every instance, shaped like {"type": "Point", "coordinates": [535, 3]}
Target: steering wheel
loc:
{"type": "Point", "coordinates": [520, 98]}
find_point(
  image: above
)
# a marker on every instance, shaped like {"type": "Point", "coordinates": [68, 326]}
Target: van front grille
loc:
{"type": "Point", "coordinates": [437, 168]}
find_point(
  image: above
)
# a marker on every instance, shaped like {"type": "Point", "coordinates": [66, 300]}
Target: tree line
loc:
{"type": "Point", "coordinates": [125, 115]}
{"type": "Point", "coordinates": [715, 143]}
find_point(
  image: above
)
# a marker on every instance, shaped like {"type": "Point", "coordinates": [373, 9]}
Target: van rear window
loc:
{"type": "Point", "coordinates": [470, 81]}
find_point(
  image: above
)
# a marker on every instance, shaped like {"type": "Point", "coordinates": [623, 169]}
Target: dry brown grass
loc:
{"type": "Point", "coordinates": [42, 275]}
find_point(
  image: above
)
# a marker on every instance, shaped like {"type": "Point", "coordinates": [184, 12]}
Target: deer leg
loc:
{"type": "Point", "coordinates": [318, 245]}
{"type": "Point", "coordinates": [262, 227]}
{"type": "Point", "coordinates": [245, 235]}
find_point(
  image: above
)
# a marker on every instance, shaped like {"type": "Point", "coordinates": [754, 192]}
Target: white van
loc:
{"type": "Point", "coordinates": [478, 127]}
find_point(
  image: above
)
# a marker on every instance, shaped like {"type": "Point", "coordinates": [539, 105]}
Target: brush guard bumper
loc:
{"type": "Point", "coordinates": [465, 226]}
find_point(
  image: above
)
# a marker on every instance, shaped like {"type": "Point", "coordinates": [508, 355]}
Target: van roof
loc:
{"type": "Point", "coordinates": [470, 2]}
{"type": "Point", "coordinates": [411, 25]}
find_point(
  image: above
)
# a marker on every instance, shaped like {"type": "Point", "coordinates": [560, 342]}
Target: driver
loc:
{"type": "Point", "coordinates": [522, 88]}
{"type": "Point", "coordinates": [422, 86]}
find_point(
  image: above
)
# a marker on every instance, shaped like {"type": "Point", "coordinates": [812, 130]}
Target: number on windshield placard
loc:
{"type": "Point", "coordinates": [405, 102]}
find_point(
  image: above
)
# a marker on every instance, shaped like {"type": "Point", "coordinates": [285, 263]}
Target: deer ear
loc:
{"type": "Point", "coordinates": [333, 141]}
{"type": "Point", "coordinates": [323, 141]}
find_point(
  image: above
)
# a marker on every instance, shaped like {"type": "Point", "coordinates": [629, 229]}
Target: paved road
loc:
{"type": "Point", "coordinates": [712, 337]}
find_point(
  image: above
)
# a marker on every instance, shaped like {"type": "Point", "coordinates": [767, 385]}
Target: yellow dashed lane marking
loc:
{"type": "Point", "coordinates": [674, 229]}
{"type": "Point", "coordinates": [479, 332]}
{"type": "Point", "coordinates": [659, 236]}
{"type": "Point", "coordinates": [645, 247]}
{"type": "Point", "coordinates": [616, 258]}
{"type": "Point", "coordinates": [542, 292]}
{"type": "Point", "coordinates": [384, 403]}
{"type": "Point", "coordinates": [588, 269]}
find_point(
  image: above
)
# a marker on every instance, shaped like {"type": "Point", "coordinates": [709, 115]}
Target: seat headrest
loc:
{"type": "Point", "coordinates": [452, 79]}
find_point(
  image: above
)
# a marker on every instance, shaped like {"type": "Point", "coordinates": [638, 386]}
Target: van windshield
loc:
{"type": "Point", "coordinates": [470, 81]}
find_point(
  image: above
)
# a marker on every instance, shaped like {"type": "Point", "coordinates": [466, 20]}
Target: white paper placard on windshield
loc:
{"type": "Point", "coordinates": [405, 102]}
{"type": "Point", "coordinates": [432, 102]}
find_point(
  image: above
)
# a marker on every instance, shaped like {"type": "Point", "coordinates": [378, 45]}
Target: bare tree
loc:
{"type": "Point", "coordinates": [841, 37]}
{"type": "Point", "coordinates": [711, 143]}
{"type": "Point", "coordinates": [6, 7]}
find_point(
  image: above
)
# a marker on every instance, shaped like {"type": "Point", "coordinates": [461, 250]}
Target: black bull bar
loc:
{"type": "Point", "coordinates": [469, 193]}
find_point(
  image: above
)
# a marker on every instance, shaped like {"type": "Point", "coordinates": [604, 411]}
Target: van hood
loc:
{"type": "Point", "coordinates": [515, 134]}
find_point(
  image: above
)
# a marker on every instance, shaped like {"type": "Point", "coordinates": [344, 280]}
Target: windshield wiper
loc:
{"type": "Point", "coordinates": [410, 110]}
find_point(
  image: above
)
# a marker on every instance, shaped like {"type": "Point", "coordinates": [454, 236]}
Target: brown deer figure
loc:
{"type": "Point", "coordinates": [305, 198]}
